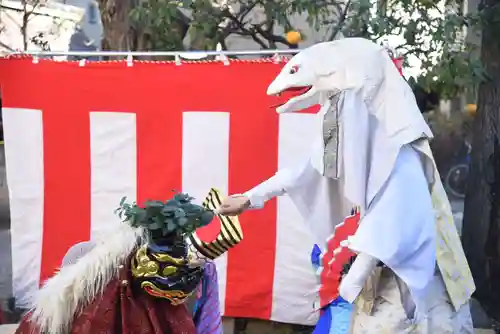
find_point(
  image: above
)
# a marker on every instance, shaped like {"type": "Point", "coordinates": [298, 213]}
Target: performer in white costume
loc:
{"type": "Point", "coordinates": [372, 153]}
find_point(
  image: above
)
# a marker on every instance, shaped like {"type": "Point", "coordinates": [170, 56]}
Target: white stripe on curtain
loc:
{"type": "Point", "coordinates": [295, 286]}
{"type": "Point", "coordinates": [205, 163]}
{"type": "Point", "coordinates": [113, 159]}
{"type": "Point", "coordinates": [23, 134]}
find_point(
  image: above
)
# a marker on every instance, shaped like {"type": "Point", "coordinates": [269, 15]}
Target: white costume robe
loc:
{"type": "Point", "coordinates": [406, 197]}
{"type": "Point", "coordinates": [373, 154]}
{"type": "Point", "coordinates": [404, 206]}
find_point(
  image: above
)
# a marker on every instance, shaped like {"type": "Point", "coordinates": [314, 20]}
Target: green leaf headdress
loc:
{"type": "Point", "coordinates": [173, 218]}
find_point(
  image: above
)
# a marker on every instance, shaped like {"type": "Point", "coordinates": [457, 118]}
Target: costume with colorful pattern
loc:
{"type": "Point", "coordinates": [138, 275]}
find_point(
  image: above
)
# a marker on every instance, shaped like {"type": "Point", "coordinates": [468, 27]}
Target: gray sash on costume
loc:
{"type": "Point", "coordinates": [331, 138]}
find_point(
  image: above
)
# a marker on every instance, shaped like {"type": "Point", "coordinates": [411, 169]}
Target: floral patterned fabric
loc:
{"type": "Point", "coordinates": [451, 259]}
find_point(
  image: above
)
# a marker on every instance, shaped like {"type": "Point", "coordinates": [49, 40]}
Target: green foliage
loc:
{"type": "Point", "coordinates": [210, 23]}
{"type": "Point", "coordinates": [428, 30]}
{"type": "Point", "coordinates": [177, 216]}
{"type": "Point", "coordinates": [453, 73]}
{"type": "Point", "coordinates": [429, 33]}
{"type": "Point", "coordinates": [160, 23]}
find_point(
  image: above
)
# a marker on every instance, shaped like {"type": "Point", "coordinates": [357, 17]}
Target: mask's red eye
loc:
{"type": "Point", "coordinates": [294, 69]}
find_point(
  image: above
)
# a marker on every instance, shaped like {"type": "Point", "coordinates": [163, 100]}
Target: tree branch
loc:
{"type": "Point", "coordinates": [245, 10]}
{"type": "Point", "coordinates": [244, 31]}
{"type": "Point", "coordinates": [410, 51]}
{"type": "Point", "coordinates": [258, 32]}
{"type": "Point", "coordinates": [341, 21]}
{"type": "Point", "coordinates": [5, 46]}
{"type": "Point", "coordinates": [34, 5]}
{"type": "Point", "coordinates": [25, 19]}
{"type": "Point", "coordinates": [270, 36]}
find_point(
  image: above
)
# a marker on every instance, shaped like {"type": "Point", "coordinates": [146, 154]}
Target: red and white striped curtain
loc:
{"type": "Point", "coordinates": [79, 138]}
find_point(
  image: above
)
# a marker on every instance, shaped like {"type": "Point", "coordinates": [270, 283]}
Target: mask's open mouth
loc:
{"type": "Point", "coordinates": [289, 94]}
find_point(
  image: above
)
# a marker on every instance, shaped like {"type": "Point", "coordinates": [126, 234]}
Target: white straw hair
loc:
{"type": "Point", "coordinates": [86, 270]}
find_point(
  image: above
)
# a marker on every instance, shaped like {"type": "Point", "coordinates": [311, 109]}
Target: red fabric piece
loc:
{"type": "Point", "coordinates": [157, 93]}
{"type": "Point", "coordinates": [398, 62]}
{"type": "Point", "coordinates": [333, 263]}
{"type": "Point", "coordinates": [123, 309]}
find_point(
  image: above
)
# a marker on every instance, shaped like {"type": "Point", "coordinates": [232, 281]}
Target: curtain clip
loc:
{"type": "Point", "coordinates": [221, 57]}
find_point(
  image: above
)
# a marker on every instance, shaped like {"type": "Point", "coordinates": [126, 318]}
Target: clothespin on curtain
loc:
{"type": "Point", "coordinates": [221, 57]}
{"type": "Point", "coordinates": [277, 58]}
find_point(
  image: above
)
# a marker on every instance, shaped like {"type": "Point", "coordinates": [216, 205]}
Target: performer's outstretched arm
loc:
{"type": "Point", "coordinates": [284, 180]}
{"type": "Point", "coordinates": [278, 185]}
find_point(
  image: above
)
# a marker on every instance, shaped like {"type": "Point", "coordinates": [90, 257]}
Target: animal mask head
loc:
{"type": "Point", "coordinates": [298, 79]}
{"type": "Point", "coordinates": [350, 63]}
{"type": "Point", "coordinates": [362, 93]}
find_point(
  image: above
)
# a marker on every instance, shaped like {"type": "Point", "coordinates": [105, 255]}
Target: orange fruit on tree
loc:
{"type": "Point", "coordinates": [471, 109]}
{"type": "Point", "coordinates": [293, 37]}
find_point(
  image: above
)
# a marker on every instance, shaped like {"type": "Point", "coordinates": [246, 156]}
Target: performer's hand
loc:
{"type": "Point", "coordinates": [234, 205]}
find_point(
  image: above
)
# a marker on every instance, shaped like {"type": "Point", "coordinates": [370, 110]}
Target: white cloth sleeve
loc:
{"type": "Point", "coordinates": [278, 185]}
{"type": "Point", "coordinates": [399, 228]}
{"type": "Point", "coordinates": [353, 282]}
